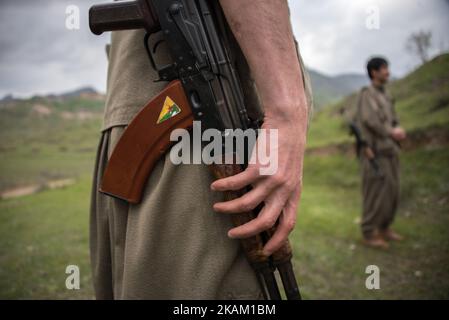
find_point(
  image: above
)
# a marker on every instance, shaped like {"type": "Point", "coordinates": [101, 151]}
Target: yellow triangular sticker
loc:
{"type": "Point", "coordinates": [169, 110]}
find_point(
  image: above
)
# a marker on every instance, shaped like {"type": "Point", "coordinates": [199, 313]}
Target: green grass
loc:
{"type": "Point", "coordinates": [41, 235]}
{"type": "Point", "coordinates": [326, 129]}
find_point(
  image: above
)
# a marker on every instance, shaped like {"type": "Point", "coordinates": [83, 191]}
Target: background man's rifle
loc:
{"type": "Point", "coordinates": [362, 146]}
{"type": "Point", "coordinates": [206, 87]}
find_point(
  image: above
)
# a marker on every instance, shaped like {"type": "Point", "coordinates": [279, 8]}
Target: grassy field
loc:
{"type": "Point", "coordinates": [42, 233]}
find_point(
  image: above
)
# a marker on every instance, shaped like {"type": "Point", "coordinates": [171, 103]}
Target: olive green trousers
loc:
{"type": "Point", "coordinates": [380, 193]}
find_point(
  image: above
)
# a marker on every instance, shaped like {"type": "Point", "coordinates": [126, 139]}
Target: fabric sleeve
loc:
{"type": "Point", "coordinates": [369, 116]}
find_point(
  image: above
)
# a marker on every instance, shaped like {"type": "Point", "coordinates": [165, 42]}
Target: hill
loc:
{"type": "Point", "coordinates": [328, 89]}
{"type": "Point", "coordinates": [83, 92]}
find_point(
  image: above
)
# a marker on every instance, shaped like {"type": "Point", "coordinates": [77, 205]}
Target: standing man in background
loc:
{"type": "Point", "coordinates": [379, 125]}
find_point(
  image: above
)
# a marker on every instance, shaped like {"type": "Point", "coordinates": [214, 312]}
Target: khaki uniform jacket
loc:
{"type": "Point", "coordinates": [376, 117]}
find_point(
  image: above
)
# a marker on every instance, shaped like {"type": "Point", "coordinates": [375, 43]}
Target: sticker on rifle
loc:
{"type": "Point", "coordinates": [169, 110]}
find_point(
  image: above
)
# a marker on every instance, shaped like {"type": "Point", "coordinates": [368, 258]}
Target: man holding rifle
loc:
{"type": "Point", "coordinates": [379, 127]}
{"type": "Point", "coordinates": [172, 245]}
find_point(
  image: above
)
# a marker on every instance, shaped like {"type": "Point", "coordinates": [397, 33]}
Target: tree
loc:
{"type": "Point", "coordinates": [419, 44]}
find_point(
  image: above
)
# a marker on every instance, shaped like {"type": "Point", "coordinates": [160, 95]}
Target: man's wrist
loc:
{"type": "Point", "coordinates": [288, 113]}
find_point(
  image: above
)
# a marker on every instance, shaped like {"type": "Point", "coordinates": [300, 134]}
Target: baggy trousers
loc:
{"type": "Point", "coordinates": [380, 193]}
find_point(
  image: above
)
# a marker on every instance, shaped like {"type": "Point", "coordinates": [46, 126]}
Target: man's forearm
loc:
{"type": "Point", "coordinates": [263, 30]}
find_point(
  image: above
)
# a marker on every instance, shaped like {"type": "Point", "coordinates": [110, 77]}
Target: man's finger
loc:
{"type": "Point", "coordinates": [286, 224]}
{"type": "Point", "coordinates": [264, 221]}
{"type": "Point", "coordinates": [246, 202]}
{"type": "Point", "coordinates": [237, 181]}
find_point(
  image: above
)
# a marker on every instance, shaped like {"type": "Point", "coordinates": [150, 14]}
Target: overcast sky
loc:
{"type": "Point", "coordinates": [38, 55]}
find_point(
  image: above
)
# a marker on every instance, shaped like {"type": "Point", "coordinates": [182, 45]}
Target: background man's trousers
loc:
{"type": "Point", "coordinates": [380, 193]}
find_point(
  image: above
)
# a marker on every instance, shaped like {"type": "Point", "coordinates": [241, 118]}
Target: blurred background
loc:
{"type": "Point", "coordinates": [52, 85]}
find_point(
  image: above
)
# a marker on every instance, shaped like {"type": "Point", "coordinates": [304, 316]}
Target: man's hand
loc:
{"type": "Point", "coordinates": [279, 192]}
{"type": "Point", "coordinates": [263, 31]}
{"type": "Point", "coordinates": [398, 134]}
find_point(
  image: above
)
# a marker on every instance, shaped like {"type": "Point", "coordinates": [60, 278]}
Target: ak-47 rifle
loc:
{"type": "Point", "coordinates": [362, 146]}
{"type": "Point", "coordinates": [205, 86]}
